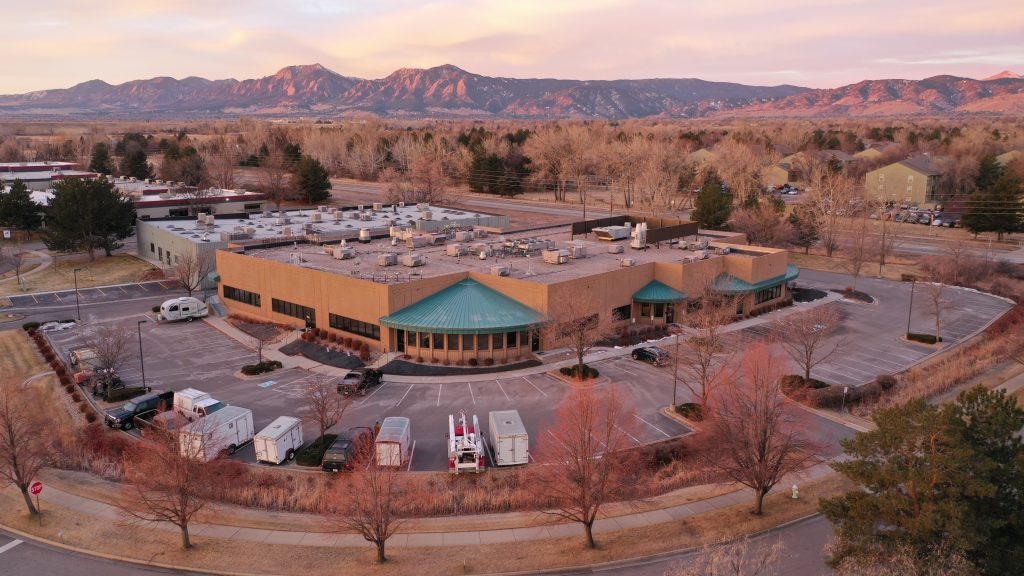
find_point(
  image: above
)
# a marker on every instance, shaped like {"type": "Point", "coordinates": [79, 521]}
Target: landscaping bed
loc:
{"type": "Point", "coordinates": [312, 454]}
{"type": "Point", "coordinates": [400, 367]}
{"type": "Point", "coordinates": [807, 294]}
{"type": "Point", "coordinates": [322, 354]}
{"type": "Point", "coordinates": [851, 294]}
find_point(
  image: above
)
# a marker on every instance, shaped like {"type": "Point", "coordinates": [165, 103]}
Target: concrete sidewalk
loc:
{"type": "Point", "coordinates": [54, 496]}
{"type": "Point", "coordinates": [272, 352]}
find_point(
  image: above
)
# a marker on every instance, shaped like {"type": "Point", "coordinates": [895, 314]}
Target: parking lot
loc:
{"type": "Point", "coordinates": [90, 295]}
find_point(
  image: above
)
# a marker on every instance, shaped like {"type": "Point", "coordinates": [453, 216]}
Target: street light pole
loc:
{"type": "Point", "coordinates": [142, 363]}
{"type": "Point", "coordinates": [911, 307]}
{"type": "Point", "coordinates": [78, 307]}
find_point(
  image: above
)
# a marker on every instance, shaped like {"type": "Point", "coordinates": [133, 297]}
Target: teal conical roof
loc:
{"type": "Point", "coordinates": [466, 307]}
{"type": "Point", "coordinates": [656, 292]}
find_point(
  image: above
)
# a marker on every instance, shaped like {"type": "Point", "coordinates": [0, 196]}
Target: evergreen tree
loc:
{"type": "Point", "coordinates": [936, 476]}
{"type": "Point", "coordinates": [88, 215]}
{"type": "Point", "coordinates": [989, 171]}
{"type": "Point", "coordinates": [997, 209]}
{"type": "Point", "coordinates": [100, 161]}
{"type": "Point", "coordinates": [311, 180]}
{"type": "Point", "coordinates": [489, 175]}
{"type": "Point", "coordinates": [805, 225]}
{"type": "Point", "coordinates": [712, 207]}
{"type": "Point", "coordinates": [18, 210]}
{"type": "Point", "coordinates": [135, 163]}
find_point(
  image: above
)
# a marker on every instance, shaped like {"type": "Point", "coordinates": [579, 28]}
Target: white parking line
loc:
{"type": "Point", "coordinates": [439, 388]}
{"type": "Point", "coordinates": [381, 387]}
{"type": "Point", "coordinates": [9, 545]}
{"type": "Point", "coordinates": [652, 426]}
{"type": "Point", "coordinates": [498, 382]}
{"type": "Point", "coordinates": [412, 452]}
{"type": "Point", "coordinates": [404, 395]}
{"type": "Point", "coordinates": [471, 395]}
{"type": "Point", "coordinates": [638, 443]}
{"type": "Point", "coordinates": [528, 381]}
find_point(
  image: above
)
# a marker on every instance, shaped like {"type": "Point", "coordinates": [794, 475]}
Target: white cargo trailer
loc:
{"type": "Point", "coordinates": [183, 308]}
{"type": "Point", "coordinates": [226, 430]}
{"type": "Point", "coordinates": [279, 441]}
{"type": "Point", "coordinates": [392, 442]}
{"type": "Point", "coordinates": [509, 441]}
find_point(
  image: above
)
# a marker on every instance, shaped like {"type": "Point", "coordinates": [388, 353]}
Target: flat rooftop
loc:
{"type": "Point", "coordinates": [325, 224]}
{"type": "Point", "coordinates": [519, 262]}
{"type": "Point", "coordinates": [160, 196]}
{"type": "Point", "coordinates": [35, 166]}
{"type": "Point", "coordinates": [38, 175]}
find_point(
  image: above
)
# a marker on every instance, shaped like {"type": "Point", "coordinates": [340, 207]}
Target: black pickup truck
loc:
{"type": "Point", "coordinates": [143, 407]}
{"type": "Point", "coordinates": [358, 381]}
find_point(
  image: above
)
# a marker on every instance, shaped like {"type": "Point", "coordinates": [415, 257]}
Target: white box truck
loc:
{"type": "Point", "coordinates": [279, 441]}
{"type": "Point", "coordinates": [192, 403]}
{"type": "Point", "coordinates": [183, 308]}
{"type": "Point", "coordinates": [392, 442]}
{"type": "Point", "coordinates": [509, 441]}
{"type": "Point", "coordinates": [226, 430]}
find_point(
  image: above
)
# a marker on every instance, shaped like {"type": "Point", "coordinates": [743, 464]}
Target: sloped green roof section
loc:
{"type": "Point", "coordinates": [729, 284]}
{"type": "Point", "coordinates": [467, 307]}
{"type": "Point", "coordinates": [656, 292]}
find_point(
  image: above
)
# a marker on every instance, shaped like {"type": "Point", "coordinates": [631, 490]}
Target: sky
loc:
{"type": "Point", "coordinates": [815, 43]}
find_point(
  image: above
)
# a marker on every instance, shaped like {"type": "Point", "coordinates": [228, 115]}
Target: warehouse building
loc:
{"type": "Point", "coordinates": [471, 292]}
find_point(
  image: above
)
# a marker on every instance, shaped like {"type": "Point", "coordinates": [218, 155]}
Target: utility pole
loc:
{"type": "Point", "coordinates": [78, 307]}
{"type": "Point", "coordinates": [910, 309]}
{"type": "Point", "coordinates": [142, 363]}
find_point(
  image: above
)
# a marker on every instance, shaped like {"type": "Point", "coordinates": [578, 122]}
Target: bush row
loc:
{"type": "Point", "coordinates": [574, 371]}
{"type": "Point", "coordinates": [261, 367]}
{"type": "Point", "coordinates": [924, 338]}
{"type": "Point", "coordinates": [818, 394]}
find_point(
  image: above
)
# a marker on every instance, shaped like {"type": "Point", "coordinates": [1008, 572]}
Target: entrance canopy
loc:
{"type": "Point", "coordinates": [658, 293]}
{"type": "Point", "coordinates": [467, 307]}
{"type": "Point", "coordinates": [729, 284]}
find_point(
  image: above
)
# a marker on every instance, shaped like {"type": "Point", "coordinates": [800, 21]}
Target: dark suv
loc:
{"type": "Point", "coordinates": [651, 354]}
{"type": "Point", "coordinates": [340, 455]}
{"type": "Point", "coordinates": [142, 407]}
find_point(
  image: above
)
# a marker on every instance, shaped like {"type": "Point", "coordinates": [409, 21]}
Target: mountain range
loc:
{"type": "Point", "coordinates": [448, 91]}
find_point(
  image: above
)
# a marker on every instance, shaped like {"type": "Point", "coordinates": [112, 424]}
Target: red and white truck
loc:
{"type": "Point", "coordinates": [465, 445]}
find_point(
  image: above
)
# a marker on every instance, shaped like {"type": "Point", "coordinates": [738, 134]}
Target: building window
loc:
{"type": "Point", "coordinates": [498, 342]}
{"type": "Point", "coordinates": [624, 312]}
{"type": "Point", "coordinates": [177, 212]}
{"type": "Point", "coordinates": [152, 248]}
{"type": "Point", "coordinates": [659, 310]}
{"type": "Point", "coordinates": [253, 207]}
{"type": "Point", "coordinates": [645, 310]}
{"type": "Point", "coordinates": [510, 339]}
{"type": "Point", "coordinates": [524, 338]}
{"type": "Point", "coordinates": [467, 341]}
{"type": "Point", "coordinates": [483, 341]}
{"type": "Point", "coordinates": [767, 294]}
{"type": "Point", "coordinates": [424, 339]}
{"type": "Point", "coordinates": [453, 341]}
{"type": "Point", "coordinates": [438, 340]}
{"type": "Point", "coordinates": [411, 338]}
{"type": "Point", "coordinates": [367, 329]}
{"type": "Point", "coordinates": [160, 252]}
{"type": "Point", "coordinates": [294, 310]}
{"type": "Point", "coordinates": [243, 296]}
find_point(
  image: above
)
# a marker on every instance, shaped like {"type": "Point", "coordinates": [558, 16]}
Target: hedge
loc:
{"type": "Point", "coordinates": [691, 410]}
{"type": "Point", "coordinates": [30, 326]}
{"type": "Point", "coordinates": [261, 368]}
{"type": "Point", "coordinates": [924, 338]}
{"type": "Point", "coordinates": [574, 370]}
{"type": "Point", "coordinates": [313, 453]}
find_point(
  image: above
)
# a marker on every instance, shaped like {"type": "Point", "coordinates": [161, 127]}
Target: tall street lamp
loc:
{"type": "Point", "coordinates": [913, 282]}
{"type": "Point", "coordinates": [142, 363]}
{"type": "Point", "coordinates": [78, 307]}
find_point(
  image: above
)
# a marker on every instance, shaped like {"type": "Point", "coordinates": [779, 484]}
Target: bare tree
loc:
{"type": "Point", "coordinates": [111, 343]}
{"type": "Point", "coordinates": [273, 176]}
{"type": "Point", "coordinates": [425, 181]}
{"type": "Point", "coordinates": [762, 225]}
{"type": "Point", "coordinates": [576, 324]}
{"type": "Point", "coordinates": [886, 238]}
{"type": "Point", "coordinates": [752, 441]}
{"type": "Point", "coordinates": [16, 259]}
{"type": "Point", "coordinates": [859, 248]}
{"type": "Point", "coordinates": [737, 558]}
{"type": "Point", "coordinates": [323, 405]}
{"type": "Point", "coordinates": [166, 482]}
{"type": "Point", "coordinates": [191, 268]}
{"type": "Point", "coordinates": [830, 193]}
{"type": "Point", "coordinates": [372, 502]}
{"type": "Point", "coordinates": [938, 272]}
{"type": "Point", "coordinates": [705, 359]}
{"type": "Point", "coordinates": [807, 337]}
{"type": "Point", "coordinates": [584, 467]}
{"type": "Point", "coordinates": [23, 433]}
{"type": "Point", "coordinates": [222, 159]}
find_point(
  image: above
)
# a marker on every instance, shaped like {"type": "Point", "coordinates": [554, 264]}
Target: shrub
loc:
{"type": "Point", "coordinates": [347, 341]}
{"type": "Point", "coordinates": [574, 370]}
{"type": "Point", "coordinates": [69, 388]}
{"type": "Point", "coordinates": [473, 362]}
{"type": "Point", "coordinates": [90, 417]}
{"type": "Point", "coordinates": [30, 326]}
{"type": "Point", "coordinates": [924, 338]}
{"type": "Point", "coordinates": [446, 362]}
{"type": "Point", "coordinates": [434, 360]}
{"type": "Point", "coordinates": [76, 396]}
{"type": "Point", "coordinates": [332, 337]}
{"type": "Point", "coordinates": [419, 359]}
{"type": "Point", "coordinates": [886, 382]}
{"type": "Point", "coordinates": [406, 357]}
{"type": "Point", "coordinates": [123, 393]}
{"type": "Point", "coordinates": [691, 410]}
{"type": "Point", "coordinates": [488, 361]}
{"type": "Point", "coordinates": [155, 309]}
{"type": "Point", "coordinates": [261, 368]}
{"type": "Point", "coordinates": [83, 407]}
{"type": "Point", "coordinates": [357, 344]}
{"type": "Point", "coordinates": [313, 453]}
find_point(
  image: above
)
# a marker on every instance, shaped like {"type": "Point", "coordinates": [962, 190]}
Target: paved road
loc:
{"type": "Point", "coordinates": [27, 558]}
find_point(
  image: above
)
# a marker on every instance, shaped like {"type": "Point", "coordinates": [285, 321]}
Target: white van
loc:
{"type": "Point", "coordinates": [192, 403]}
{"type": "Point", "coordinates": [183, 308]}
{"type": "Point", "coordinates": [392, 442]}
{"type": "Point", "coordinates": [279, 441]}
{"type": "Point", "coordinates": [226, 430]}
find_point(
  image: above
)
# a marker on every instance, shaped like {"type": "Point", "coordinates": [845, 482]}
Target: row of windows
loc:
{"type": "Point", "coordinates": [624, 312]}
{"type": "Point", "coordinates": [646, 308]}
{"type": "Point", "coordinates": [768, 294]}
{"type": "Point", "coordinates": [295, 310]}
{"type": "Point", "coordinates": [467, 341]}
{"type": "Point", "coordinates": [243, 296]}
{"type": "Point", "coordinates": [355, 326]}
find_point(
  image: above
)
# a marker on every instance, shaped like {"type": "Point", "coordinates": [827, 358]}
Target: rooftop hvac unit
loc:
{"type": "Point", "coordinates": [250, 230]}
{"type": "Point", "coordinates": [282, 221]}
{"type": "Point", "coordinates": [364, 236]}
{"type": "Point", "coordinates": [426, 215]}
{"type": "Point", "coordinates": [481, 249]}
{"type": "Point", "coordinates": [700, 254]}
{"type": "Point", "coordinates": [722, 251]}
{"type": "Point", "coordinates": [401, 204]}
{"type": "Point", "coordinates": [267, 214]}
{"type": "Point", "coordinates": [332, 210]}
{"type": "Point", "coordinates": [615, 249]}
{"type": "Point", "coordinates": [361, 207]}
{"type": "Point", "coordinates": [423, 206]}
{"type": "Point", "coordinates": [234, 236]}
{"type": "Point", "coordinates": [611, 233]}
{"type": "Point", "coordinates": [417, 241]}
{"type": "Point", "coordinates": [387, 259]}
{"type": "Point", "coordinates": [344, 253]}
{"type": "Point", "coordinates": [286, 231]}
{"type": "Point", "coordinates": [480, 233]}
{"type": "Point", "coordinates": [413, 260]}
{"type": "Point", "coordinates": [463, 235]}
{"type": "Point", "coordinates": [294, 258]}
{"type": "Point", "coordinates": [555, 256]}
{"type": "Point", "coordinates": [166, 195]}
{"type": "Point", "coordinates": [500, 270]}
{"type": "Point", "coordinates": [378, 206]}
{"type": "Point", "coordinates": [317, 217]}
{"type": "Point", "coordinates": [627, 262]}
{"type": "Point", "coordinates": [365, 216]}
{"type": "Point", "coordinates": [639, 235]}
{"type": "Point", "coordinates": [307, 227]}
{"type": "Point", "coordinates": [578, 251]}
{"type": "Point", "coordinates": [395, 231]}
{"type": "Point", "coordinates": [210, 219]}
{"type": "Point", "coordinates": [457, 250]}
{"type": "Point", "coordinates": [159, 181]}
{"type": "Point", "coordinates": [336, 216]}
{"type": "Point", "coordinates": [438, 239]}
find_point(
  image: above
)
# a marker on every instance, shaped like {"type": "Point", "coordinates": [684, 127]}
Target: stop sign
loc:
{"type": "Point", "coordinates": [36, 487]}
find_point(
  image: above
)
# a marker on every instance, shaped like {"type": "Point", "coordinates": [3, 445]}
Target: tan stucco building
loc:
{"type": "Point", "coordinates": [913, 181]}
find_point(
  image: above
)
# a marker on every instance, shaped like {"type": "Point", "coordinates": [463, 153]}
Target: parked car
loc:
{"type": "Point", "coordinates": [142, 407]}
{"type": "Point", "coordinates": [342, 452]}
{"type": "Point", "coordinates": [651, 354]}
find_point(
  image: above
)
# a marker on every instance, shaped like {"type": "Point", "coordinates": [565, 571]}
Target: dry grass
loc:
{"type": "Point", "coordinates": [117, 269]}
{"type": "Point", "coordinates": [20, 357]}
{"type": "Point", "coordinates": [86, 532]}
{"type": "Point", "coordinates": [894, 268]}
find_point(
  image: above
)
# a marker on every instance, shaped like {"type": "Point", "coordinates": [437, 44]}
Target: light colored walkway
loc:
{"type": "Point", "coordinates": [272, 352]}
{"type": "Point", "coordinates": [45, 261]}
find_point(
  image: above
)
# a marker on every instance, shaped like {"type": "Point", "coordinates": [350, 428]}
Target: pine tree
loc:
{"type": "Point", "coordinates": [311, 180]}
{"type": "Point", "coordinates": [18, 210]}
{"type": "Point", "coordinates": [88, 215]}
{"type": "Point", "coordinates": [989, 170]}
{"type": "Point", "coordinates": [996, 209]}
{"type": "Point", "coordinates": [100, 161]}
{"type": "Point", "coordinates": [135, 163]}
{"type": "Point", "coordinates": [712, 207]}
{"type": "Point", "coordinates": [805, 224]}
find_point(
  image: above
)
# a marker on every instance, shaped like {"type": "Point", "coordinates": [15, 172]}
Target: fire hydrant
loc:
{"type": "Point", "coordinates": [796, 492]}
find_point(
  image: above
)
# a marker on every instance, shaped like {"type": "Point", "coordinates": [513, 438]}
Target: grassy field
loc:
{"type": "Point", "coordinates": [117, 269]}
{"type": "Point", "coordinates": [21, 358]}
{"type": "Point", "coordinates": [894, 268]}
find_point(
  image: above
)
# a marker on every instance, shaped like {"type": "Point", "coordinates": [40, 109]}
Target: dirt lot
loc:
{"type": "Point", "coordinates": [117, 269]}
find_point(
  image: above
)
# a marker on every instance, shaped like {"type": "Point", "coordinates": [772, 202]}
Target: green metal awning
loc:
{"type": "Point", "coordinates": [656, 292]}
{"type": "Point", "coordinates": [467, 307]}
{"type": "Point", "coordinates": [729, 284]}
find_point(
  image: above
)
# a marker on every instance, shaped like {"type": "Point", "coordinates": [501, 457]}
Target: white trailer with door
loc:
{"type": "Point", "coordinates": [279, 441]}
{"type": "Point", "coordinates": [226, 430]}
{"type": "Point", "coordinates": [183, 308]}
{"type": "Point", "coordinates": [509, 440]}
{"type": "Point", "coordinates": [392, 443]}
